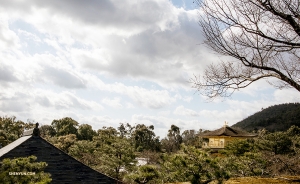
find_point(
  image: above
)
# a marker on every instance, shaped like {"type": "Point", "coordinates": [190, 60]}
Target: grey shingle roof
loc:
{"type": "Point", "coordinates": [228, 131]}
{"type": "Point", "coordinates": [62, 167]}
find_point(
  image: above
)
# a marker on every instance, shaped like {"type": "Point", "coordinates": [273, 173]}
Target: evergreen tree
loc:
{"type": "Point", "coordinates": [23, 170]}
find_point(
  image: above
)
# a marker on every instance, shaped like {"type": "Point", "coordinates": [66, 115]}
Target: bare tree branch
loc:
{"type": "Point", "coordinates": [261, 36]}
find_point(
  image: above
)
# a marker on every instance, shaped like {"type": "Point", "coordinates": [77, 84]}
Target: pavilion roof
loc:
{"type": "Point", "coordinates": [228, 131]}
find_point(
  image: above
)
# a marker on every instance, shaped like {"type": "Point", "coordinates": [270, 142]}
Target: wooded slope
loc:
{"type": "Point", "coordinates": [274, 118]}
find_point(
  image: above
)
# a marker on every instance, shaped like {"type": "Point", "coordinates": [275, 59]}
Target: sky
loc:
{"type": "Point", "coordinates": [109, 62]}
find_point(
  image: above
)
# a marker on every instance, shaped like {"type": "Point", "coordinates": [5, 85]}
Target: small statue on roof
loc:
{"type": "Point", "coordinates": [36, 130]}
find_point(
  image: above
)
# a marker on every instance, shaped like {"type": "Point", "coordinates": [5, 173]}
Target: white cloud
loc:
{"type": "Point", "coordinates": [180, 110]}
{"type": "Point", "coordinates": [165, 49]}
{"type": "Point", "coordinates": [164, 113]}
{"type": "Point", "coordinates": [29, 36]}
{"type": "Point", "coordinates": [178, 96]}
{"type": "Point", "coordinates": [8, 38]}
{"type": "Point", "coordinates": [7, 74]}
{"type": "Point", "coordinates": [219, 117]}
{"type": "Point", "coordinates": [187, 99]}
{"type": "Point", "coordinates": [124, 18]}
{"type": "Point", "coordinates": [12, 104]}
{"type": "Point", "coordinates": [21, 100]}
{"type": "Point", "coordinates": [115, 102]}
{"type": "Point", "coordinates": [67, 100]}
{"type": "Point", "coordinates": [129, 105]}
{"type": "Point", "coordinates": [63, 77]}
{"type": "Point", "coordinates": [286, 96]}
{"type": "Point", "coordinates": [144, 97]}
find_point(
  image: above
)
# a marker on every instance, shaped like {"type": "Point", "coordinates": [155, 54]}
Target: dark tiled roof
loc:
{"type": "Point", "coordinates": [228, 131]}
{"type": "Point", "coordinates": [62, 167]}
{"type": "Point", "coordinates": [13, 145]}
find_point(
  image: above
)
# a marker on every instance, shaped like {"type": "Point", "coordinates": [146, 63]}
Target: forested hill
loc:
{"type": "Point", "coordinates": [274, 118]}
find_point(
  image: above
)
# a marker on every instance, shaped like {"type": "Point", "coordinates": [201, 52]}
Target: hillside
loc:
{"type": "Point", "coordinates": [274, 118]}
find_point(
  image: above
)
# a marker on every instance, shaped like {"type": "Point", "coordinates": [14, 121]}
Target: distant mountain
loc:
{"type": "Point", "coordinates": [275, 118]}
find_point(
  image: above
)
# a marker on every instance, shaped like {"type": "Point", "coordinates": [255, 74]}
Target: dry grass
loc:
{"type": "Point", "coordinates": [256, 180]}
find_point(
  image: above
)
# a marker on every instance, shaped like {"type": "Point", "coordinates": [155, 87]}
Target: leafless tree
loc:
{"type": "Point", "coordinates": [262, 38]}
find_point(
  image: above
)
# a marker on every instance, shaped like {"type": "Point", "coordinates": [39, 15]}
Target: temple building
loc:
{"type": "Point", "coordinates": [219, 138]}
{"type": "Point", "coordinates": [62, 167]}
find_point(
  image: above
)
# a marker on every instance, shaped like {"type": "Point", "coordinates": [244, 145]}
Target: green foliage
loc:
{"type": "Point", "coordinates": [192, 164]}
{"type": "Point", "coordinates": [173, 140]}
{"type": "Point", "coordinates": [47, 131]}
{"type": "Point", "coordinates": [26, 166]}
{"type": "Point", "coordinates": [277, 142]}
{"type": "Point", "coordinates": [247, 164]}
{"type": "Point", "coordinates": [10, 125]}
{"type": "Point", "coordinates": [116, 158]}
{"type": "Point", "coordinates": [144, 174]}
{"type": "Point", "coordinates": [105, 136]}
{"type": "Point", "coordinates": [84, 151]}
{"type": "Point", "coordinates": [269, 154]}
{"type": "Point", "coordinates": [115, 154]}
{"type": "Point", "coordinates": [86, 132]}
{"type": "Point", "coordinates": [238, 147]}
{"type": "Point", "coordinates": [145, 139]}
{"type": "Point", "coordinates": [125, 130]}
{"type": "Point", "coordinates": [65, 126]}
{"type": "Point", "coordinates": [293, 131]}
{"type": "Point", "coordinates": [65, 142]}
{"type": "Point", "coordinates": [192, 138]}
{"type": "Point", "coordinates": [281, 150]}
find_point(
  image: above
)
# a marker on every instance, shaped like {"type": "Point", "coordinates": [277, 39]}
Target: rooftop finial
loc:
{"type": "Point", "coordinates": [225, 124]}
{"type": "Point", "coordinates": [36, 130]}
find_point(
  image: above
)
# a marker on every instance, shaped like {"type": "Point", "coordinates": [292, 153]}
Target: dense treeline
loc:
{"type": "Point", "coordinates": [175, 158]}
{"type": "Point", "coordinates": [274, 118]}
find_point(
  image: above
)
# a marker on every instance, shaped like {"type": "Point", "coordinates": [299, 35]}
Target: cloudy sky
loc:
{"type": "Point", "coordinates": [106, 62]}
